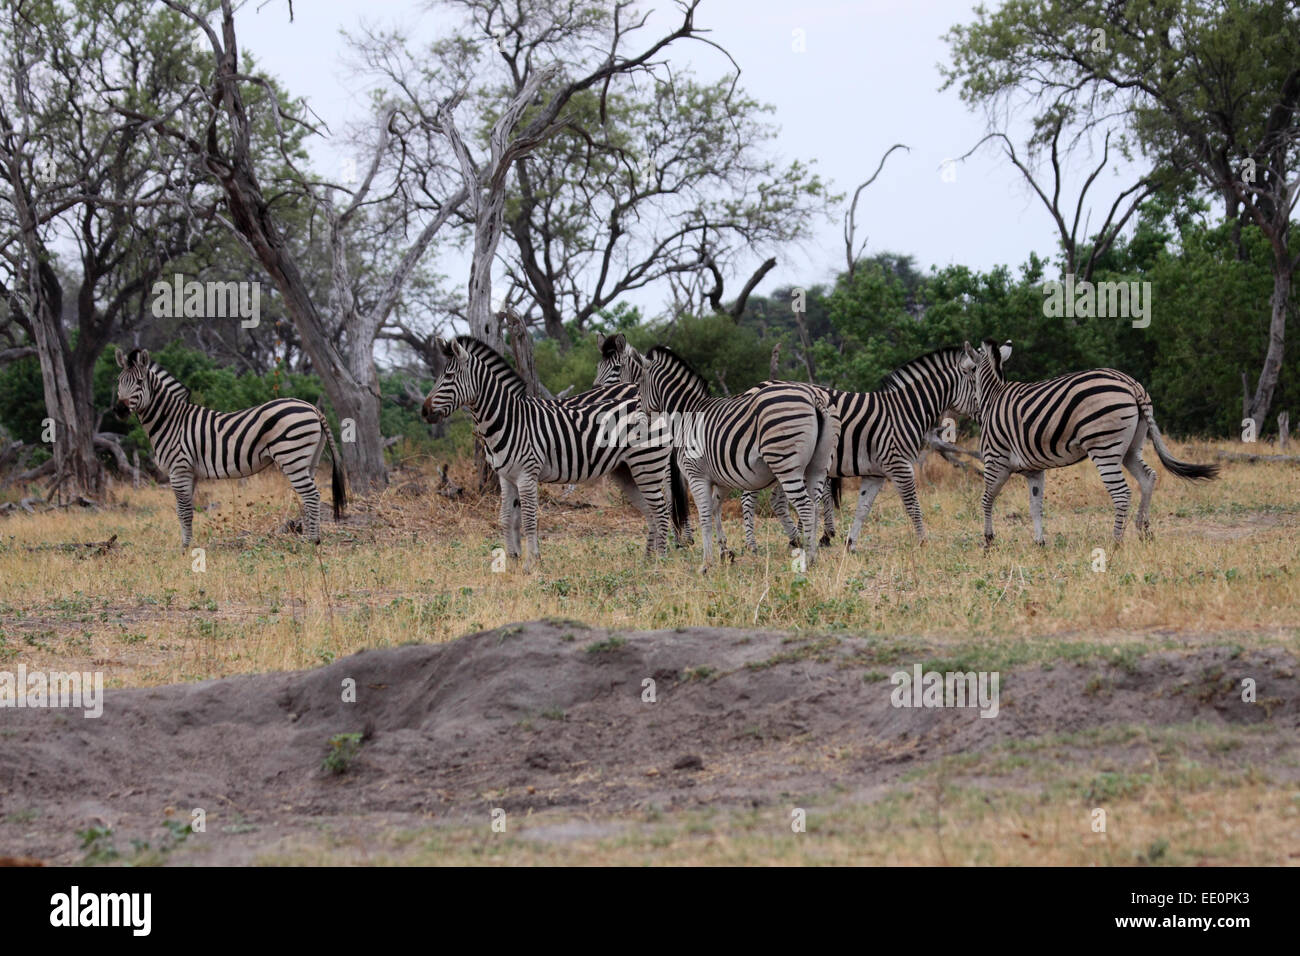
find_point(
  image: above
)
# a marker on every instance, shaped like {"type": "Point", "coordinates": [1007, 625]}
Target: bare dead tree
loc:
{"type": "Point", "coordinates": [1069, 224]}
{"type": "Point", "coordinates": [341, 351]}
{"type": "Point", "coordinates": [854, 252]}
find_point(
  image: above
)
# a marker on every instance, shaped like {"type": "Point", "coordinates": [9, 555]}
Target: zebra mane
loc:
{"type": "Point", "coordinates": [501, 370]}
{"type": "Point", "coordinates": [166, 380]}
{"type": "Point", "coordinates": [995, 355]}
{"type": "Point", "coordinates": [903, 376]}
{"type": "Point", "coordinates": [700, 381]}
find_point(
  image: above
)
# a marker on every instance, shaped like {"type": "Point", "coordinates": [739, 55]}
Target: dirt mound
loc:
{"type": "Point", "coordinates": [546, 714]}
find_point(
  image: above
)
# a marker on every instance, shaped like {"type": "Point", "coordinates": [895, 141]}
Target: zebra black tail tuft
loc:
{"type": "Point", "coordinates": [677, 485]}
{"type": "Point", "coordinates": [836, 488]}
{"type": "Point", "coordinates": [340, 491]}
{"type": "Point", "coordinates": [1190, 471]}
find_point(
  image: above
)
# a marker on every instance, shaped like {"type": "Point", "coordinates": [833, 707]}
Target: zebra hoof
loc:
{"type": "Point", "coordinates": [851, 546]}
{"type": "Point", "coordinates": [1041, 542]}
{"type": "Point", "coordinates": [826, 540]}
{"type": "Point", "coordinates": [988, 541]}
{"type": "Point", "coordinates": [728, 555]}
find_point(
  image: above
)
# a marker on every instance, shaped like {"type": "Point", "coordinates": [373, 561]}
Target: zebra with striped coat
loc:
{"type": "Point", "coordinates": [614, 371]}
{"type": "Point", "coordinates": [1102, 414]}
{"type": "Point", "coordinates": [530, 441]}
{"type": "Point", "coordinates": [782, 432]}
{"type": "Point", "coordinates": [882, 434]}
{"type": "Point", "coordinates": [606, 389]}
{"type": "Point", "coordinates": [192, 442]}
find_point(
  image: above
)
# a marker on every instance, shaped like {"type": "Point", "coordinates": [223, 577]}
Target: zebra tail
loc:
{"type": "Point", "coordinates": [836, 482]}
{"type": "Point", "coordinates": [828, 436]}
{"type": "Point", "coordinates": [677, 485]}
{"type": "Point", "coordinates": [1183, 469]}
{"type": "Point", "coordinates": [336, 470]}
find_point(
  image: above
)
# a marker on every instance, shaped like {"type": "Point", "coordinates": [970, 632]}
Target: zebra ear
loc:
{"type": "Point", "coordinates": [1005, 350]}
{"type": "Point", "coordinates": [443, 346]}
{"type": "Point", "coordinates": [600, 341]}
{"type": "Point", "coordinates": [970, 359]}
{"type": "Point", "coordinates": [458, 351]}
{"type": "Point", "coordinates": [143, 358]}
{"type": "Point", "coordinates": [121, 358]}
{"type": "Point", "coordinates": [620, 342]}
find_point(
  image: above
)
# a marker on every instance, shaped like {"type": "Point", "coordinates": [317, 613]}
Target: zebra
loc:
{"type": "Point", "coordinates": [530, 441]}
{"type": "Point", "coordinates": [191, 442]}
{"type": "Point", "coordinates": [1028, 427]}
{"type": "Point", "coordinates": [780, 432]}
{"type": "Point", "coordinates": [882, 435]}
{"type": "Point", "coordinates": [614, 373]}
{"type": "Point", "coordinates": [611, 389]}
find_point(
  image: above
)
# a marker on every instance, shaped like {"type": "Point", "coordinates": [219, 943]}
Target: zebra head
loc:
{"type": "Point", "coordinates": [135, 383]}
{"type": "Point", "coordinates": [618, 361]}
{"type": "Point", "coordinates": [458, 385]}
{"type": "Point", "coordinates": [667, 382]}
{"type": "Point", "coordinates": [983, 368]}
{"type": "Point", "coordinates": [967, 399]}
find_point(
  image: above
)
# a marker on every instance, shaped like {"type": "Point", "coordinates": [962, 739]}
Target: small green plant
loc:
{"type": "Point", "coordinates": [612, 643]}
{"type": "Point", "coordinates": [98, 844]}
{"type": "Point", "coordinates": [343, 749]}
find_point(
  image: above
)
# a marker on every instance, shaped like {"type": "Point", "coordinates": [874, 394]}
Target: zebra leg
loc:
{"type": "Point", "coordinates": [702, 492]}
{"type": "Point", "coordinates": [527, 485]}
{"type": "Point", "coordinates": [806, 508]}
{"type": "Point", "coordinates": [828, 512]}
{"type": "Point", "coordinates": [725, 553]}
{"type": "Point", "coordinates": [871, 486]}
{"type": "Point", "coordinates": [781, 508]}
{"type": "Point", "coordinates": [649, 490]}
{"type": "Point", "coordinates": [903, 476]}
{"type": "Point", "coordinates": [510, 515]}
{"type": "Point", "coordinates": [182, 482]}
{"type": "Point", "coordinates": [1112, 476]}
{"type": "Point", "coordinates": [1146, 479]}
{"type": "Point", "coordinates": [305, 485]}
{"type": "Point", "coordinates": [747, 507]}
{"type": "Point", "coordinates": [1035, 482]}
{"type": "Point", "coordinates": [996, 474]}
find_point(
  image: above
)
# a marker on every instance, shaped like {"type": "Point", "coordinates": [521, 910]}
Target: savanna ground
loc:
{"type": "Point", "coordinates": [1121, 689]}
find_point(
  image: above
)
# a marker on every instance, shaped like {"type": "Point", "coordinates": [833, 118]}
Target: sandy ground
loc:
{"type": "Point", "coordinates": [549, 715]}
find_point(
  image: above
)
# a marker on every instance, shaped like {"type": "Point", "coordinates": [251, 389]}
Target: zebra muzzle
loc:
{"type": "Point", "coordinates": [122, 409]}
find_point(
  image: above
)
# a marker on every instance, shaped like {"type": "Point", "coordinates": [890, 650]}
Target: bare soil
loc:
{"type": "Point", "coordinates": [550, 714]}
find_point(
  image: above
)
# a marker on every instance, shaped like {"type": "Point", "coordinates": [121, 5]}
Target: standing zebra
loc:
{"type": "Point", "coordinates": [530, 441]}
{"type": "Point", "coordinates": [780, 432]}
{"type": "Point", "coordinates": [191, 442]}
{"type": "Point", "coordinates": [615, 374]}
{"type": "Point", "coordinates": [1027, 427]}
{"type": "Point", "coordinates": [882, 435]}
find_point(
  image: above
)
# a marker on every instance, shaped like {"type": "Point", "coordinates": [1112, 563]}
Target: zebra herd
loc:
{"type": "Point", "coordinates": [651, 424]}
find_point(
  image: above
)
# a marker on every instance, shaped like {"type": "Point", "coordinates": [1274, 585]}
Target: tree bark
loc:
{"type": "Point", "coordinates": [1267, 383]}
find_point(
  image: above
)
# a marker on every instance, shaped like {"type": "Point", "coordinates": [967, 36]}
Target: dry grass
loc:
{"type": "Point", "coordinates": [411, 566]}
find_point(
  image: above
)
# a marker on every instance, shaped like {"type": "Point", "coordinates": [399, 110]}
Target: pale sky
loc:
{"type": "Point", "coordinates": [867, 79]}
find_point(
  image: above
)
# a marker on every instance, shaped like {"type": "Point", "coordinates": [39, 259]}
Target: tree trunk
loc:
{"type": "Point", "coordinates": [483, 322]}
{"type": "Point", "coordinates": [1268, 376]}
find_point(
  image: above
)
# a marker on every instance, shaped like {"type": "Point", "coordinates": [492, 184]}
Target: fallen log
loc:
{"type": "Point", "coordinates": [84, 547]}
